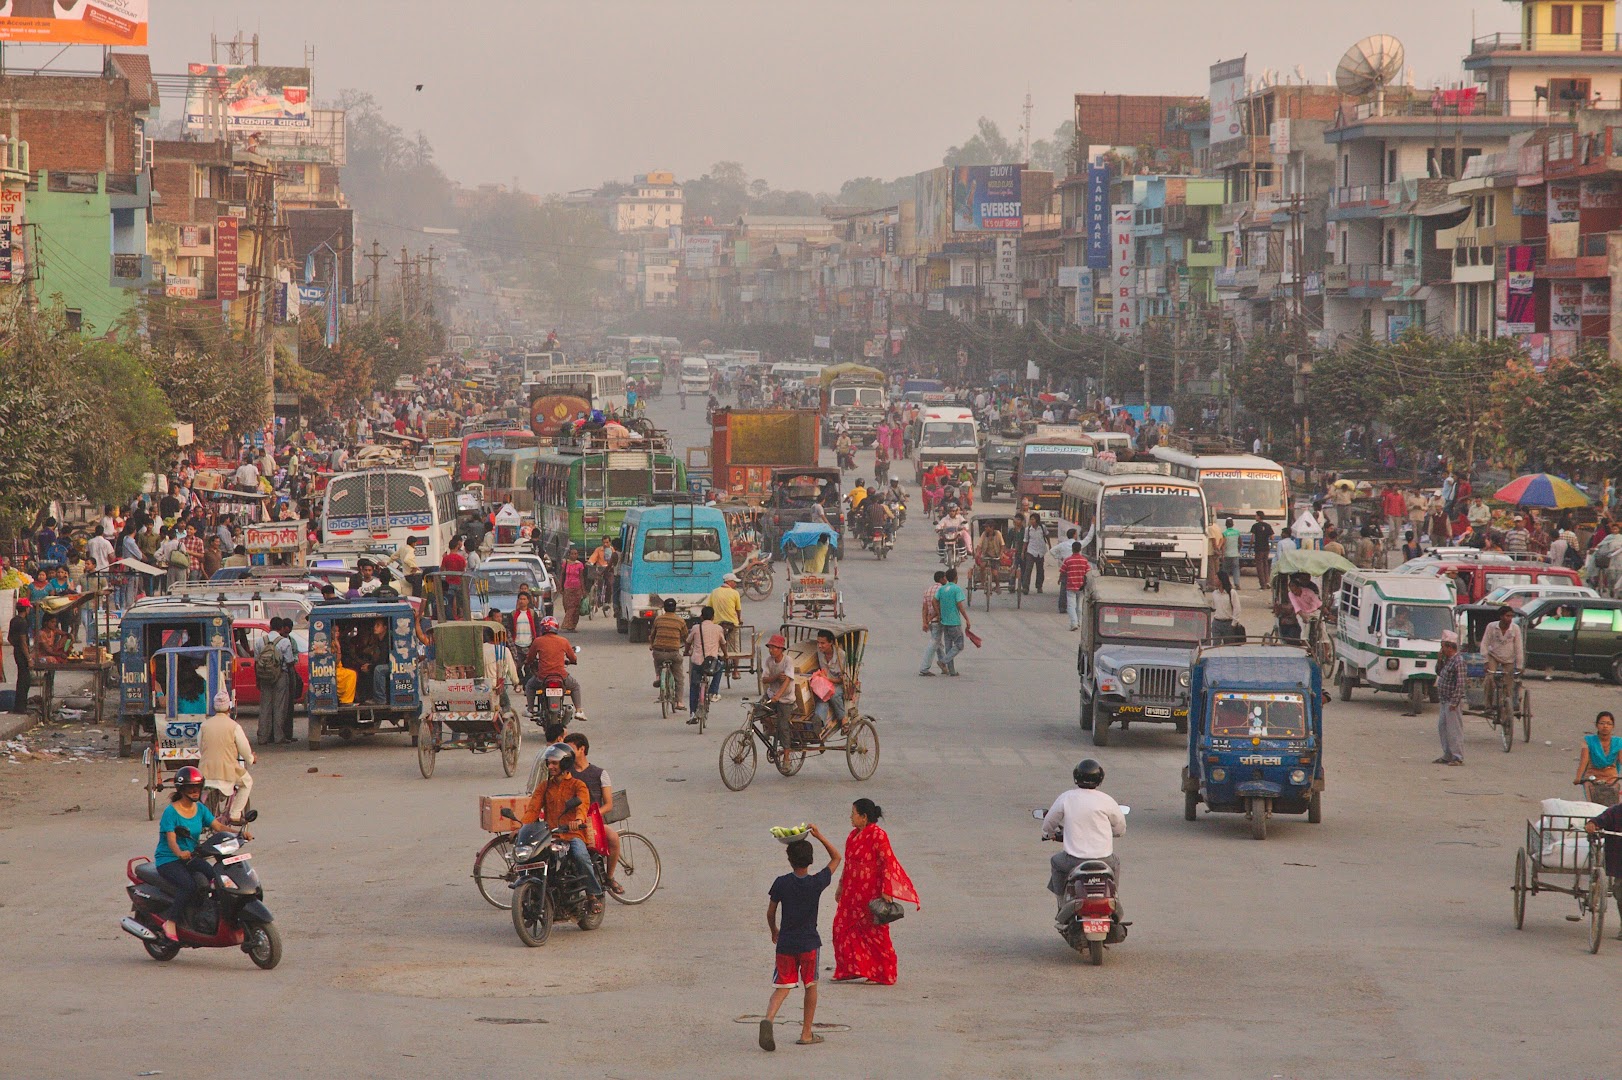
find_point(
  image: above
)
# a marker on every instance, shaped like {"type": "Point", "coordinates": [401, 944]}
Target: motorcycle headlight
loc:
{"type": "Point", "coordinates": [1129, 675]}
{"type": "Point", "coordinates": [525, 852]}
{"type": "Point", "coordinates": [1183, 679]}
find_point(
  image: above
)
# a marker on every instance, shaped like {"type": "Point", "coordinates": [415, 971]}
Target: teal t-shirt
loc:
{"type": "Point", "coordinates": [172, 819]}
{"type": "Point", "coordinates": [948, 597]}
{"type": "Point", "coordinates": [1230, 543]}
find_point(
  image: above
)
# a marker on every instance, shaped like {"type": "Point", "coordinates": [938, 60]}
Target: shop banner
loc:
{"type": "Point", "coordinates": [254, 98]}
{"type": "Point", "coordinates": [1565, 306]}
{"type": "Point", "coordinates": [74, 22]}
{"type": "Point", "coordinates": [1098, 246]}
{"type": "Point", "coordinates": [986, 198]}
{"type": "Point", "coordinates": [1596, 298]}
{"type": "Point", "coordinates": [1007, 265]}
{"type": "Point", "coordinates": [1600, 193]}
{"type": "Point", "coordinates": [1565, 200]}
{"type": "Point", "coordinates": [1123, 316]}
{"type": "Point", "coordinates": [182, 288]}
{"type": "Point", "coordinates": [225, 258]}
{"type": "Point", "coordinates": [1520, 312]}
{"type": "Point", "coordinates": [275, 537]}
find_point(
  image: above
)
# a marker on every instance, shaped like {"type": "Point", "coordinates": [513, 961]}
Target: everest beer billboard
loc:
{"type": "Point", "coordinates": [74, 22]}
{"type": "Point", "coordinates": [986, 198]}
{"type": "Point", "coordinates": [255, 98]}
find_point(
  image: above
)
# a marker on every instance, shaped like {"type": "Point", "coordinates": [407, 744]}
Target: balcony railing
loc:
{"type": "Point", "coordinates": [1545, 43]}
{"type": "Point", "coordinates": [1374, 195]}
{"type": "Point", "coordinates": [1370, 276]}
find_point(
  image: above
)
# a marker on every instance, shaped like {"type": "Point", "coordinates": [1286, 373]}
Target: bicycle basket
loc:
{"type": "Point", "coordinates": [622, 808]}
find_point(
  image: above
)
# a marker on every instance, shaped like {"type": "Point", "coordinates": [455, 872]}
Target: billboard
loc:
{"type": "Point", "coordinates": [74, 22]}
{"type": "Point", "coordinates": [1227, 89]}
{"type": "Point", "coordinates": [225, 258]}
{"type": "Point", "coordinates": [986, 198]}
{"type": "Point", "coordinates": [1123, 310]}
{"type": "Point", "coordinates": [254, 98]}
{"type": "Point", "coordinates": [1098, 217]}
{"type": "Point", "coordinates": [932, 199]}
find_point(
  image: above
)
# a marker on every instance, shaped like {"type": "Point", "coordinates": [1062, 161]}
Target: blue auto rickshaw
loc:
{"type": "Point", "coordinates": [1255, 734]}
{"type": "Point", "coordinates": [188, 678]}
{"type": "Point", "coordinates": [357, 686]}
{"type": "Point", "coordinates": [145, 629]}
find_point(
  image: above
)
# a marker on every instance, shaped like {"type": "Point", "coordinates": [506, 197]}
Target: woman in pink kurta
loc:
{"type": "Point", "coordinates": [862, 948]}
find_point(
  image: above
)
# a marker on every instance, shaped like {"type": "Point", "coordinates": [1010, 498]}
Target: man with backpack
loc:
{"type": "Point", "coordinates": [273, 671]}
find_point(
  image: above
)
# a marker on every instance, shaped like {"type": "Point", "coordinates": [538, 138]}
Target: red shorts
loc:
{"type": "Point", "coordinates": [795, 969]}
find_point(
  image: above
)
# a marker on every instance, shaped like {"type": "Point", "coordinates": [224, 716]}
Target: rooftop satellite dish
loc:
{"type": "Point", "coordinates": [1369, 67]}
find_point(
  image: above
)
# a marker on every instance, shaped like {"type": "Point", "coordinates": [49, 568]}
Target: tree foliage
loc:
{"type": "Point", "coordinates": [1563, 420]}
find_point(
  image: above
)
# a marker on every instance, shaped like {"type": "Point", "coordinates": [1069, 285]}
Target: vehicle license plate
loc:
{"type": "Point", "coordinates": [244, 857]}
{"type": "Point", "coordinates": [554, 692]}
{"type": "Point", "coordinates": [1156, 710]}
{"type": "Point", "coordinates": [1095, 926]}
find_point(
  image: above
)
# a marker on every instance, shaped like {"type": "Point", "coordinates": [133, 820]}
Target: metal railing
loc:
{"type": "Point", "coordinates": [1532, 43]}
{"type": "Point", "coordinates": [1370, 276]}
{"type": "Point", "coordinates": [1374, 194]}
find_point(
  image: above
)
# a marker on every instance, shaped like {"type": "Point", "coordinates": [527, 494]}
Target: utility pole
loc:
{"type": "Point", "coordinates": [374, 258]}
{"type": "Point", "coordinates": [1026, 128]}
{"type": "Point", "coordinates": [405, 313]}
{"type": "Point", "coordinates": [430, 259]}
{"type": "Point", "coordinates": [256, 323]}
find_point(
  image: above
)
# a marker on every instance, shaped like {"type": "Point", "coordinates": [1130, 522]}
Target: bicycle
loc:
{"type": "Point", "coordinates": [701, 711]}
{"type": "Point", "coordinates": [667, 687]}
{"type": "Point", "coordinates": [638, 864]}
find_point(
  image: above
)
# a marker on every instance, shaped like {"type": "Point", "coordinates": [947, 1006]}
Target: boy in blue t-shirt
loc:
{"type": "Point", "coordinates": [798, 894]}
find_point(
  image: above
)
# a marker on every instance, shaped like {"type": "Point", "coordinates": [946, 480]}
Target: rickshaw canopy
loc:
{"type": "Point", "coordinates": [1311, 561]}
{"type": "Point", "coordinates": [806, 534]}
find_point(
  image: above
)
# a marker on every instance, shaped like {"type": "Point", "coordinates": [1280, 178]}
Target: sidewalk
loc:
{"type": "Point", "coordinates": [14, 724]}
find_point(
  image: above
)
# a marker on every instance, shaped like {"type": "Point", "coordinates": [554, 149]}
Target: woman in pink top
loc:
{"type": "Point", "coordinates": [574, 588]}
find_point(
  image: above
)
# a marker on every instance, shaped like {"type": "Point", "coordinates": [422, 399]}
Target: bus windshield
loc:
{"type": "Point", "coordinates": [1241, 494]}
{"type": "Point", "coordinates": [942, 435]}
{"type": "Point", "coordinates": [479, 446]}
{"type": "Point", "coordinates": [1160, 508]}
{"type": "Point", "coordinates": [1055, 460]}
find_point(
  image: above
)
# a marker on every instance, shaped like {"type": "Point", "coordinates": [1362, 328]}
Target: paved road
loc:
{"type": "Point", "coordinates": [1378, 943]}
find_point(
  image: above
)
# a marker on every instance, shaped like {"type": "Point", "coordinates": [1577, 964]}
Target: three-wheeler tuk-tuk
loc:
{"type": "Point", "coordinates": [363, 669]}
{"type": "Point", "coordinates": [1388, 632]}
{"type": "Point", "coordinates": [188, 677]}
{"type": "Point", "coordinates": [145, 629]}
{"type": "Point", "coordinates": [1255, 734]}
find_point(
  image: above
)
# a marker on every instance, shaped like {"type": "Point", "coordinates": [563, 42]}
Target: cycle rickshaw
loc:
{"type": "Point", "coordinates": [788, 735]}
{"type": "Point", "coordinates": [812, 592]}
{"type": "Point", "coordinates": [466, 690]}
{"type": "Point", "coordinates": [1003, 575]}
{"type": "Point", "coordinates": [1561, 857]}
{"type": "Point", "coordinates": [1501, 697]}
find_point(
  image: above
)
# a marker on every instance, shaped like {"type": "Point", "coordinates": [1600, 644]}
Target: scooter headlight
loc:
{"type": "Point", "coordinates": [1129, 675]}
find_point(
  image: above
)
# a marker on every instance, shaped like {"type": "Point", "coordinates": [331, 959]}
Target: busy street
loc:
{"type": "Point", "coordinates": [763, 540]}
{"type": "Point", "coordinates": [1391, 916]}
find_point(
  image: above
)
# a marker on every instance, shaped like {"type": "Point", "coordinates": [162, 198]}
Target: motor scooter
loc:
{"type": "Point", "coordinates": [227, 911]}
{"type": "Point", "coordinates": [1089, 915]}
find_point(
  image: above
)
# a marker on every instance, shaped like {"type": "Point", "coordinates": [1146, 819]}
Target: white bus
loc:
{"type": "Point", "coordinates": [1136, 513]}
{"type": "Point", "coordinates": [607, 387]}
{"type": "Point", "coordinates": [391, 508]}
{"type": "Point", "coordinates": [537, 365]}
{"type": "Point", "coordinates": [798, 371]}
{"type": "Point", "coordinates": [1236, 486]}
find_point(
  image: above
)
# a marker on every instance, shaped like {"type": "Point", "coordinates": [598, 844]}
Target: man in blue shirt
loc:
{"type": "Point", "coordinates": [954, 608]}
{"type": "Point", "coordinates": [798, 894]}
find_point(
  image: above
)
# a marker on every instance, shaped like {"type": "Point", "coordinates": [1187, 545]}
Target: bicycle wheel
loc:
{"type": "Point", "coordinates": [1505, 722]}
{"type": "Point", "coordinates": [667, 691]}
{"type": "Point", "coordinates": [862, 749]}
{"type": "Point", "coordinates": [512, 737]}
{"type": "Point", "coordinates": [493, 871]}
{"type": "Point", "coordinates": [638, 871]}
{"type": "Point", "coordinates": [702, 713]}
{"type": "Point", "coordinates": [1526, 716]}
{"type": "Point", "coordinates": [738, 759]}
{"type": "Point", "coordinates": [1597, 887]}
{"type": "Point", "coordinates": [789, 757]}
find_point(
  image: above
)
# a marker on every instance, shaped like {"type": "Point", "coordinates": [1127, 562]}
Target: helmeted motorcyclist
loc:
{"type": "Point", "coordinates": [548, 802]}
{"type": "Point", "coordinates": [952, 524]}
{"type": "Point", "coordinates": [1088, 821]}
{"type": "Point", "coordinates": [548, 657]}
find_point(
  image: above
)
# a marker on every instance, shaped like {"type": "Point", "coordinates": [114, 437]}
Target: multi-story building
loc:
{"type": "Point", "coordinates": [653, 204]}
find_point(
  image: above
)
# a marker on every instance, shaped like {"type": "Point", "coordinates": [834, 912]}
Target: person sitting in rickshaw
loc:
{"type": "Point", "coordinates": [830, 711]}
{"type": "Point", "coordinates": [988, 553]}
{"type": "Point", "coordinates": [777, 676]}
{"type": "Point", "coordinates": [1301, 611]}
{"type": "Point", "coordinates": [191, 691]}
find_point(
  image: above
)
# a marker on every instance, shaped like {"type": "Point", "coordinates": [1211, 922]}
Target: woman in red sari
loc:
{"type": "Point", "coordinates": [862, 948]}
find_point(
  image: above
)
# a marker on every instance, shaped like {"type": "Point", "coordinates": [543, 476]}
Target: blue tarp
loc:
{"type": "Point", "coordinates": [806, 534]}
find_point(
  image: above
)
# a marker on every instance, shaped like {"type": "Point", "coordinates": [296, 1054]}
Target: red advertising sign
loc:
{"type": "Point", "coordinates": [225, 258]}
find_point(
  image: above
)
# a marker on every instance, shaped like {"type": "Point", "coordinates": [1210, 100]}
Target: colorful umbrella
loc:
{"type": "Point", "coordinates": [1541, 490]}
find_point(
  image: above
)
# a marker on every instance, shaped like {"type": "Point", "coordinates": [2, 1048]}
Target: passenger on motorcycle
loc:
{"type": "Point", "coordinates": [1089, 821]}
{"type": "Point", "coordinates": [601, 787]}
{"type": "Point", "coordinates": [953, 524]}
{"type": "Point", "coordinates": [881, 462]}
{"type": "Point", "coordinates": [548, 802]}
{"type": "Point", "coordinates": [858, 517]}
{"type": "Point", "coordinates": [548, 658]}
{"type": "Point", "coordinates": [223, 750]}
{"type": "Point", "coordinates": [881, 516]}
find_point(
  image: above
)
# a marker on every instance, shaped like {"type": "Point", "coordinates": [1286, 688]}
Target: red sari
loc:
{"type": "Point", "coordinates": [862, 948]}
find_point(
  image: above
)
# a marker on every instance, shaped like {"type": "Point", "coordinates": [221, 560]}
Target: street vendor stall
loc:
{"type": "Point", "coordinates": [93, 658]}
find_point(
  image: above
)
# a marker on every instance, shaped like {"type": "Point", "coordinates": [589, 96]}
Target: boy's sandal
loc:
{"type": "Point", "coordinates": [812, 1041]}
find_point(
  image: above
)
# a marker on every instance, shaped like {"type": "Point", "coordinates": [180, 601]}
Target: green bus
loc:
{"type": "Point", "coordinates": [651, 368]}
{"type": "Point", "coordinates": [507, 477]}
{"type": "Point", "coordinates": [582, 491]}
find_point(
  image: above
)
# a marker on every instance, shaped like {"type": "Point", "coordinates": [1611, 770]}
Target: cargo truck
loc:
{"type": "Point", "coordinates": [746, 445]}
{"type": "Point", "coordinates": [855, 394]}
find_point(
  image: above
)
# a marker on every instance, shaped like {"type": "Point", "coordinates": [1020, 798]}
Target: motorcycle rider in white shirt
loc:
{"type": "Point", "coordinates": [1089, 821]}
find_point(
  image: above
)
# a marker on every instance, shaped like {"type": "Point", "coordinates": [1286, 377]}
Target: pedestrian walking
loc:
{"type": "Point", "coordinates": [798, 894]}
{"type": "Point", "coordinates": [1035, 547]}
{"type": "Point", "coordinates": [17, 636]}
{"type": "Point", "coordinates": [953, 604]}
{"type": "Point", "coordinates": [574, 588]}
{"type": "Point", "coordinates": [862, 946]}
{"type": "Point", "coordinates": [1261, 537]}
{"type": "Point", "coordinates": [1073, 576]}
{"type": "Point", "coordinates": [1450, 692]}
{"type": "Point", "coordinates": [1230, 549]}
{"type": "Point", "coordinates": [274, 664]}
{"type": "Point", "coordinates": [932, 624]}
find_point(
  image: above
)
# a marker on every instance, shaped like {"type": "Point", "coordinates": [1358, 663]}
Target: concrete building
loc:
{"type": "Point", "coordinates": [654, 204]}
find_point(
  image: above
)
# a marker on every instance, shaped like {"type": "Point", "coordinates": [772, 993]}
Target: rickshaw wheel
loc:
{"type": "Point", "coordinates": [862, 749]}
{"type": "Point", "coordinates": [1596, 907]}
{"type": "Point", "coordinates": [1519, 888]}
{"type": "Point", "coordinates": [738, 759]}
{"type": "Point", "coordinates": [1257, 808]}
{"type": "Point", "coordinates": [1505, 723]}
{"type": "Point", "coordinates": [1526, 715]}
{"type": "Point", "coordinates": [1191, 805]}
{"type": "Point", "coordinates": [1315, 808]}
{"type": "Point", "coordinates": [788, 757]}
{"type": "Point", "coordinates": [512, 737]}
{"type": "Point", "coordinates": [426, 749]}
{"type": "Point", "coordinates": [151, 785]}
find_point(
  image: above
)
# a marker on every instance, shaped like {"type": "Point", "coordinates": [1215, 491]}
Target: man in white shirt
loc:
{"type": "Point", "coordinates": [1089, 821]}
{"type": "Point", "coordinates": [1502, 643]}
{"type": "Point", "coordinates": [100, 552]}
{"type": "Point", "coordinates": [247, 476]}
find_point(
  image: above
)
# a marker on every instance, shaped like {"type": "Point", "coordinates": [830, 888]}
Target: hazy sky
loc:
{"type": "Point", "coordinates": [804, 93]}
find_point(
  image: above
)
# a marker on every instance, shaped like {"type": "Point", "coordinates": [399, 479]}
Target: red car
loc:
{"type": "Point", "coordinates": [249, 636]}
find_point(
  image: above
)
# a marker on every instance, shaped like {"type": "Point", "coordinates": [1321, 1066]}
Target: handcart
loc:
{"type": "Point", "coordinates": [1560, 856]}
